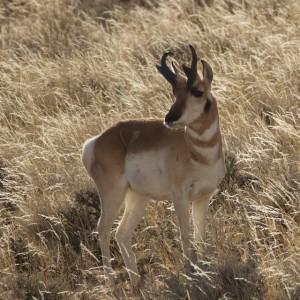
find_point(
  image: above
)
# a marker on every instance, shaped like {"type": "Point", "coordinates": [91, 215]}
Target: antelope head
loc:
{"type": "Point", "coordinates": [192, 94]}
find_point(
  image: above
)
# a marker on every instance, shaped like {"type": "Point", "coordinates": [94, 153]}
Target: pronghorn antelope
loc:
{"type": "Point", "coordinates": [180, 159]}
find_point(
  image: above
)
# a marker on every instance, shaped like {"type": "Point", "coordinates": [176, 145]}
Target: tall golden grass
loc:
{"type": "Point", "coordinates": [69, 69]}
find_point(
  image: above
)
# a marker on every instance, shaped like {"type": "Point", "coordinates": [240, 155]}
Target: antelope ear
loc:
{"type": "Point", "coordinates": [174, 68]}
{"type": "Point", "coordinates": [207, 72]}
{"type": "Point", "coordinates": [179, 76]}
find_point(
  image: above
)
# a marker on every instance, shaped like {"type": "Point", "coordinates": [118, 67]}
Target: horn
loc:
{"type": "Point", "coordinates": [165, 70]}
{"type": "Point", "coordinates": [191, 72]}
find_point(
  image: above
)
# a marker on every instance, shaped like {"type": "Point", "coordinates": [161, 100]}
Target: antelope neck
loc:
{"type": "Point", "coordinates": [204, 143]}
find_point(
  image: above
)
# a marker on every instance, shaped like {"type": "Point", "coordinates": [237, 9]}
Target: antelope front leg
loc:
{"type": "Point", "coordinates": [199, 211]}
{"type": "Point", "coordinates": [183, 214]}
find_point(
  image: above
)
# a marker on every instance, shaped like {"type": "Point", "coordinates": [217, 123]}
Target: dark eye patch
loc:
{"type": "Point", "coordinates": [197, 93]}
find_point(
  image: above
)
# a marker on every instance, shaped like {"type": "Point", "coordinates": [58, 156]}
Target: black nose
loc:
{"type": "Point", "coordinates": [171, 117]}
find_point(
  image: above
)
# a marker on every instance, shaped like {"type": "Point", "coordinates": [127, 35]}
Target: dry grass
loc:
{"type": "Point", "coordinates": [69, 69]}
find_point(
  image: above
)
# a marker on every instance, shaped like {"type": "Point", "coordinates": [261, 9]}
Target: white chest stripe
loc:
{"type": "Point", "coordinates": [209, 153]}
{"type": "Point", "coordinates": [207, 134]}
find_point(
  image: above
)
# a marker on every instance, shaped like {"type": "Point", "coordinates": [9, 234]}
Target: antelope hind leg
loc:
{"type": "Point", "coordinates": [134, 210]}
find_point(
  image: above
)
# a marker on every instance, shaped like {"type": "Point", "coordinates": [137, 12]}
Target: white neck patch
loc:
{"type": "Point", "coordinates": [207, 134]}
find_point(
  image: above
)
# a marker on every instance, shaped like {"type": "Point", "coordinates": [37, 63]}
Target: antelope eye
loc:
{"type": "Point", "coordinates": [197, 94]}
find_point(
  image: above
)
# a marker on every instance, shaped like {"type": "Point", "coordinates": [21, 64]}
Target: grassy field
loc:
{"type": "Point", "coordinates": [70, 69]}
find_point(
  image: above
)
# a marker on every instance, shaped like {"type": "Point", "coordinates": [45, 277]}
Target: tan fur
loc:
{"type": "Point", "coordinates": [139, 160]}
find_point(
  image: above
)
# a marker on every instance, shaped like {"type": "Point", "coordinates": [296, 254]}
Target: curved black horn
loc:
{"type": "Point", "coordinates": [165, 70]}
{"type": "Point", "coordinates": [194, 58]}
{"type": "Point", "coordinates": [191, 72]}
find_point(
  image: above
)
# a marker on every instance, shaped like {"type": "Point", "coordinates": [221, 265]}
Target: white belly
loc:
{"type": "Point", "coordinates": [147, 174]}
